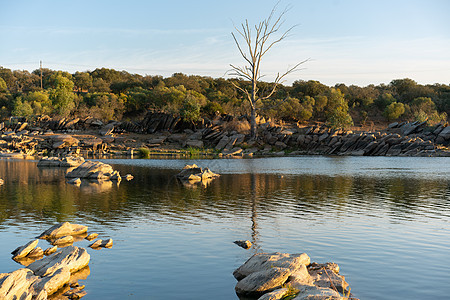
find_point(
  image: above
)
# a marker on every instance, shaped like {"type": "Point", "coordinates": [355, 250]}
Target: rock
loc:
{"type": "Point", "coordinates": [265, 261]}
{"type": "Point", "coordinates": [92, 236]}
{"type": "Point", "coordinates": [63, 240]}
{"type": "Point", "coordinates": [189, 170]}
{"type": "Point", "coordinates": [393, 125]}
{"type": "Point", "coordinates": [50, 250]}
{"type": "Point", "coordinates": [115, 175]}
{"type": "Point", "coordinates": [18, 285]}
{"type": "Point", "coordinates": [49, 162]}
{"type": "Point", "coordinates": [107, 129]}
{"type": "Point", "coordinates": [128, 177]}
{"type": "Point", "coordinates": [91, 169]}
{"type": "Point", "coordinates": [275, 295]}
{"type": "Point", "coordinates": [63, 229]}
{"type": "Point", "coordinates": [244, 244]}
{"type": "Point", "coordinates": [262, 281]}
{"type": "Point", "coordinates": [327, 275]}
{"type": "Point", "coordinates": [107, 244]}
{"type": "Point", "coordinates": [71, 161]}
{"type": "Point", "coordinates": [75, 181]}
{"type": "Point", "coordinates": [36, 252]}
{"type": "Point", "coordinates": [96, 244]}
{"type": "Point", "coordinates": [54, 282]}
{"type": "Point", "coordinates": [194, 143]}
{"type": "Point", "coordinates": [223, 142]}
{"type": "Point", "coordinates": [72, 257]}
{"type": "Point", "coordinates": [24, 250]}
{"type": "Point", "coordinates": [311, 292]}
{"type": "Point", "coordinates": [445, 133]}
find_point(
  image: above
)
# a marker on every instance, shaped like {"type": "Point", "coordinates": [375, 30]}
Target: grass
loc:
{"type": "Point", "coordinates": [144, 152]}
{"type": "Point", "coordinates": [291, 292]}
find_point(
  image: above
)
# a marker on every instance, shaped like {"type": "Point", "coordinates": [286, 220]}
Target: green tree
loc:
{"type": "Point", "coordinates": [190, 111]}
{"type": "Point", "coordinates": [3, 86]}
{"type": "Point", "coordinates": [62, 96]}
{"type": "Point", "coordinates": [40, 102]}
{"type": "Point", "coordinates": [337, 110]}
{"type": "Point", "coordinates": [394, 111]}
{"type": "Point", "coordinates": [22, 109]}
{"type": "Point", "coordinates": [83, 81]}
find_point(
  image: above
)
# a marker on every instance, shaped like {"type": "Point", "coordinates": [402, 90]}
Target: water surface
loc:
{"type": "Point", "coordinates": [384, 220]}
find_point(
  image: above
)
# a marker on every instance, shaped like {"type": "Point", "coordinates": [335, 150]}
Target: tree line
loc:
{"type": "Point", "coordinates": [108, 94]}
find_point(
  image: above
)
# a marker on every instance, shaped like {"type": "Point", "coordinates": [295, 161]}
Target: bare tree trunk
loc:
{"type": "Point", "coordinates": [253, 111]}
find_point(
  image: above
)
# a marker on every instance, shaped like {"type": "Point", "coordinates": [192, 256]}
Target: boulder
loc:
{"type": "Point", "coordinates": [194, 143]}
{"type": "Point", "coordinates": [445, 133]}
{"type": "Point", "coordinates": [312, 292]}
{"type": "Point", "coordinates": [24, 250]}
{"type": "Point", "coordinates": [92, 236]}
{"type": "Point", "coordinates": [63, 229]}
{"type": "Point", "coordinates": [91, 169]}
{"type": "Point", "coordinates": [275, 295]}
{"type": "Point", "coordinates": [49, 162]}
{"type": "Point", "coordinates": [72, 257]}
{"type": "Point", "coordinates": [75, 181]}
{"type": "Point", "coordinates": [54, 282]}
{"type": "Point", "coordinates": [262, 281]}
{"type": "Point", "coordinates": [19, 285]}
{"type": "Point", "coordinates": [71, 161]}
{"type": "Point", "coordinates": [36, 253]}
{"type": "Point", "coordinates": [265, 261]}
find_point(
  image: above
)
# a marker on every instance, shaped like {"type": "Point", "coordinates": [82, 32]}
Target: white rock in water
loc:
{"type": "Point", "coordinates": [24, 250]}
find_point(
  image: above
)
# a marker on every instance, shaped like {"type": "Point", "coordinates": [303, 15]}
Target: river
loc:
{"type": "Point", "coordinates": [384, 220]}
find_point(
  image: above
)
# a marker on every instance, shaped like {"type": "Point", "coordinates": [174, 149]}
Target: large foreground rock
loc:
{"type": "Point", "coordinates": [92, 170]}
{"type": "Point", "coordinates": [266, 261]}
{"type": "Point", "coordinates": [262, 281]}
{"type": "Point", "coordinates": [43, 277]}
{"type": "Point", "coordinates": [63, 229]}
{"type": "Point", "coordinates": [71, 257]}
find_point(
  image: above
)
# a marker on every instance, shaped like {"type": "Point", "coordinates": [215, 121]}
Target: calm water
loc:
{"type": "Point", "coordinates": [385, 221]}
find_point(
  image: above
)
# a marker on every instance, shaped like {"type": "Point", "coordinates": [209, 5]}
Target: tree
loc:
{"type": "Point", "coordinates": [253, 47]}
{"type": "Point", "coordinates": [394, 111]}
{"type": "Point", "coordinates": [62, 96]}
{"type": "Point", "coordinates": [337, 110]}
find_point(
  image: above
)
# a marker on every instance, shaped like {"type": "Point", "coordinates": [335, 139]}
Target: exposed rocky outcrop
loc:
{"type": "Point", "coordinates": [194, 173]}
{"type": "Point", "coordinates": [56, 274]}
{"type": "Point", "coordinates": [66, 162]}
{"type": "Point", "coordinates": [94, 170]}
{"type": "Point", "coordinates": [277, 275]}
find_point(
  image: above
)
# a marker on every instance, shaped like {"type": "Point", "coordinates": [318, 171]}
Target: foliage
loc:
{"type": "Point", "coordinates": [190, 111]}
{"type": "Point", "coordinates": [394, 111]}
{"type": "Point", "coordinates": [62, 96]}
{"type": "Point", "coordinates": [22, 109]}
{"type": "Point", "coordinates": [144, 152]}
{"type": "Point", "coordinates": [337, 110]}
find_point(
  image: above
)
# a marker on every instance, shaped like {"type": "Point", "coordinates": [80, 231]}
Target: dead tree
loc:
{"type": "Point", "coordinates": [253, 46]}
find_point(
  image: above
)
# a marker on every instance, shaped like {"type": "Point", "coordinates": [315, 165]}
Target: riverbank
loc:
{"type": "Point", "coordinates": [218, 139]}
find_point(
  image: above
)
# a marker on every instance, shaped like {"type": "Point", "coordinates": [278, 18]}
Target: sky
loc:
{"type": "Point", "coordinates": [357, 42]}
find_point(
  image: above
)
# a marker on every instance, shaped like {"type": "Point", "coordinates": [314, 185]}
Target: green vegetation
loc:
{"type": "Point", "coordinates": [144, 152]}
{"type": "Point", "coordinates": [108, 94]}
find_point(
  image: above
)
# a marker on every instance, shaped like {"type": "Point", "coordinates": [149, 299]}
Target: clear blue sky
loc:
{"type": "Point", "coordinates": [353, 42]}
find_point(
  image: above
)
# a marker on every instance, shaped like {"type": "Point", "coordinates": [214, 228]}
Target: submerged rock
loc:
{"type": "Point", "coordinates": [63, 240]}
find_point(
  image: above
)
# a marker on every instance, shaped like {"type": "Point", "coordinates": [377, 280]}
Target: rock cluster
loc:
{"type": "Point", "coordinates": [66, 162]}
{"type": "Point", "coordinates": [194, 173]}
{"type": "Point", "coordinates": [58, 272]}
{"type": "Point", "coordinates": [272, 276]}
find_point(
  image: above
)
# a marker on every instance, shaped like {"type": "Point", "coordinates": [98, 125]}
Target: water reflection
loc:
{"type": "Point", "coordinates": [367, 221]}
{"type": "Point", "coordinates": [44, 193]}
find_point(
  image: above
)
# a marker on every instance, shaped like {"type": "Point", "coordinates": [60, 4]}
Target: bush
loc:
{"type": "Point", "coordinates": [394, 111]}
{"type": "Point", "coordinates": [144, 152]}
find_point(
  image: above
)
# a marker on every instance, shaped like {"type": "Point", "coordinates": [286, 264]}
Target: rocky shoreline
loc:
{"type": "Point", "coordinates": [57, 273]}
{"type": "Point", "coordinates": [272, 276]}
{"type": "Point", "coordinates": [157, 135]}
